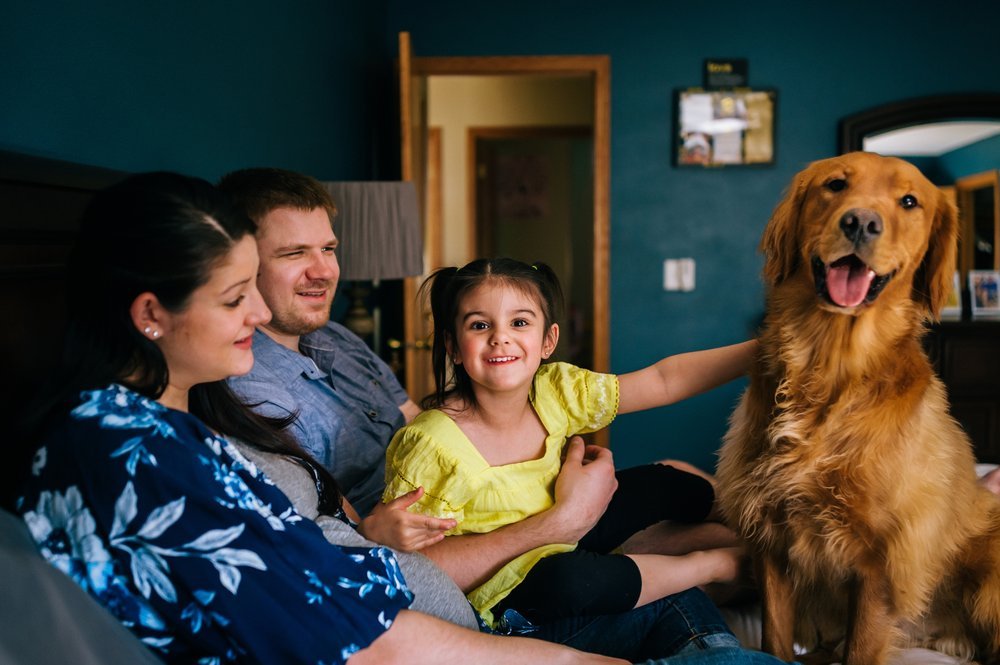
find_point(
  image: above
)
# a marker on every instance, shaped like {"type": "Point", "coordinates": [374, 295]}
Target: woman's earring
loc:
{"type": "Point", "coordinates": [150, 332]}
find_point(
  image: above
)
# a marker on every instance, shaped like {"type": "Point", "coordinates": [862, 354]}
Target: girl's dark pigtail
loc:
{"type": "Point", "coordinates": [437, 284]}
{"type": "Point", "coordinates": [551, 292]}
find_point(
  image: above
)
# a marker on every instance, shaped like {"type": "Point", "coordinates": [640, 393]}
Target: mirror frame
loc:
{"type": "Point", "coordinates": [910, 112]}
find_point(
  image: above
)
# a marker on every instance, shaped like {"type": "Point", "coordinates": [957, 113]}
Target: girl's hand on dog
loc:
{"type": "Point", "coordinates": [393, 525]}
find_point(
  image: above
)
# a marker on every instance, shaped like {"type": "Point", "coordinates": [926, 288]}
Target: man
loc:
{"type": "Point", "coordinates": [347, 401]}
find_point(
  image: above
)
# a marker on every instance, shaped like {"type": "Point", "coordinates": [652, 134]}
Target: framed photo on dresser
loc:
{"type": "Point", "coordinates": [984, 293]}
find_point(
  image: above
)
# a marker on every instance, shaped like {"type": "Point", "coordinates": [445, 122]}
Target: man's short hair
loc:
{"type": "Point", "coordinates": [258, 191]}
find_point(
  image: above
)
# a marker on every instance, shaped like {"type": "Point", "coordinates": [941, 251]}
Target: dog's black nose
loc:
{"type": "Point", "coordinates": [861, 225]}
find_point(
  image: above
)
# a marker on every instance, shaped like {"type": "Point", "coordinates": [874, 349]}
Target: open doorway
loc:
{"type": "Point", "coordinates": [517, 180]}
{"type": "Point", "coordinates": [415, 75]}
{"type": "Point", "coordinates": [533, 201]}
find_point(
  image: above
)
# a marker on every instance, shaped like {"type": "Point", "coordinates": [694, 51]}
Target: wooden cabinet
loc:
{"type": "Point", "coordinates": [966, 355]}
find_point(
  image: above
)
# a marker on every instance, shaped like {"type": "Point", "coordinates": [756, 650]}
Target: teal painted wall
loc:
{"type": "Point", "coordinates": [196, 86]}
{"type": "Point", "coordinates": [826, 60]}
{"type": "Point", "coordinates": [208, 86]}
{"type": "Point", "coordinates": [976, 158]}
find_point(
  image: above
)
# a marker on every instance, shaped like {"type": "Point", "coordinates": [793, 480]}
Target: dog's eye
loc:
{"type": "Point", "coordinates": [909, 201]}
{"type": "Point", "coordinates": [836, 185]}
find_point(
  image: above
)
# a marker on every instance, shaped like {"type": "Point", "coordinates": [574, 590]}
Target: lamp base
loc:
{"type": "Point", "coordinates": [359, 320]}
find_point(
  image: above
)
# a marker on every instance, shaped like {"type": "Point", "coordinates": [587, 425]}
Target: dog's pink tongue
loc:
{"type": "Point", "coordinates": [847, 282]}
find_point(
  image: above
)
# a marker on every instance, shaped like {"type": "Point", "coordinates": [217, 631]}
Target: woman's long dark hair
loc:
{"type": "Point", "coordinates": [448, 286]}
{"type": "Point", "coordinates": [162, 233]}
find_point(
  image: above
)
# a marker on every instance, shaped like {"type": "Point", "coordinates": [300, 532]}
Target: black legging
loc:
{"type": "Point", "coordinates": [590, 581]}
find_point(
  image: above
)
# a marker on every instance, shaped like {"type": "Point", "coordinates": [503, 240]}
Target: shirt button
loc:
{"type": "Point", "coordinates": [373, 414]}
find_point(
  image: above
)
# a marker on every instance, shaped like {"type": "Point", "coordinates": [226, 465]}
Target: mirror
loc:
{"type": "Point", "coordinates": [979, 203]}
{"type": "Point", "coordinates": [914, 113]}
{"type": "Point", "coordinates": [955, 141]}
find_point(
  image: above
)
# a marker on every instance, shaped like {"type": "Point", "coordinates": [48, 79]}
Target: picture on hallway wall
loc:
{"type": "Point", "coordinates": [522, 186]}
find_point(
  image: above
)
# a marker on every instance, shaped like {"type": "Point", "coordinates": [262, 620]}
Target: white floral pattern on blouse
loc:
{"type": "Point", "coordinates": [181, 538]}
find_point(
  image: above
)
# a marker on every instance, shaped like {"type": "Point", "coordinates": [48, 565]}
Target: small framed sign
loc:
{"type": "Point", "coordinates": [724, 127]}
{"type": "Point", "coordinates": [726, 73]}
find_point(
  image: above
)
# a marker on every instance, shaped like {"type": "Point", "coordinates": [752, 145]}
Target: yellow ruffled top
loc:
{"type": "Point", "coordinates": [433, 453]}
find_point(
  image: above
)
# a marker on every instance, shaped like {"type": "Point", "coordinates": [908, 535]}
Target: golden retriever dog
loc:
{"type": "Point", "coordinates": [842, 468]}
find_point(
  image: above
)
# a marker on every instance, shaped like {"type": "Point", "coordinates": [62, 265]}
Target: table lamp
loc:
{"type": "Point", "coordinates": [381, 237]}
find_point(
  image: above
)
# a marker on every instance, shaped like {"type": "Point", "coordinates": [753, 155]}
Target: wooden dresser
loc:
{"type": "Point", "coordinates": [966, 355]}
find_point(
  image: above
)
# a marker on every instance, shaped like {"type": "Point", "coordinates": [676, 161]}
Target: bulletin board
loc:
{"type": "Point", "coordinates": [719, 128]}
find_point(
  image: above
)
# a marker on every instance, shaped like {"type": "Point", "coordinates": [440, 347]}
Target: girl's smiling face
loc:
{"type": "Point", "coordinates": [502, 337]}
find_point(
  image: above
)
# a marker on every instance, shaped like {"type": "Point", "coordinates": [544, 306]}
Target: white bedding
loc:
{"type": "Point", "coordinates": [745, 623]}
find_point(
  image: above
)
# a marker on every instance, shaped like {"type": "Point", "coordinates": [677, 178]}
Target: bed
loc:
{"type": "Point", "coordinates": [41, 201]}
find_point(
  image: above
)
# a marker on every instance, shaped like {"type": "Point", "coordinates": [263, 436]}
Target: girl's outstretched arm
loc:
{"type": "Point", "coordinates": [684, 375]}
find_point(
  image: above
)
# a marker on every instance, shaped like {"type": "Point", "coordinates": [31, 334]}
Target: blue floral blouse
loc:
{"type": "Point", "coordinates": [200, 555]}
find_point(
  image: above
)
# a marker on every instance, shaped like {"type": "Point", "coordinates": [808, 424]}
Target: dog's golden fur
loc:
{"type": "Point", "coordinates": [842, 467]}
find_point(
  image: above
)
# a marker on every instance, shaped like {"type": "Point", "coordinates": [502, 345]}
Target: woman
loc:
{"type": "Point", "coordinates": [137, 492]}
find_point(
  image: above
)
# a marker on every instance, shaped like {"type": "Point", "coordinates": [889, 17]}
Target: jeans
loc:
{"type": "Point", "coordinates": [686, 625]}
{"type": "Point", "coordinates": [722, 656]}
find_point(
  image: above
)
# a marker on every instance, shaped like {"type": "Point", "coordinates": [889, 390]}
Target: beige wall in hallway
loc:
{"type": "Point", "coordinates": [456, 103]}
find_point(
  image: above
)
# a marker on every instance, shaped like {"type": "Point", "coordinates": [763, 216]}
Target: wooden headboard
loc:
{"type": "Point", "coordinates": [40, 204]}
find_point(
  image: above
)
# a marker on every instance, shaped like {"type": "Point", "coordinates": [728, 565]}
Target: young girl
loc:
{"type": "Point", "coordinates": [488, 452]}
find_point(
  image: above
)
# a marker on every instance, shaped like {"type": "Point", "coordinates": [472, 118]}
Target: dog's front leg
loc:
{"type": "Point", "coordinates": [870, 625]}
{"type": "Point", "coordinates": [778, 627]}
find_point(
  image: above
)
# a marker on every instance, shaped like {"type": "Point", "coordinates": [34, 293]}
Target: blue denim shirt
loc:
{"type": "Point", "coordinates": [347, 400]}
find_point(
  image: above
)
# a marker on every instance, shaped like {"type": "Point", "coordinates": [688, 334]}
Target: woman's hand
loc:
{"type": "Point", "coordinates": [393, 525]}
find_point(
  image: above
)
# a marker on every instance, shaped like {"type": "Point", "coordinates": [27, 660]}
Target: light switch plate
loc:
{"type": "Point", "coordinates": [679, 274]}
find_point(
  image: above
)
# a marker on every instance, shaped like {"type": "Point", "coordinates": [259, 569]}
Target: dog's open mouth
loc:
{"type": "Point", "coordinates": [848, 281]}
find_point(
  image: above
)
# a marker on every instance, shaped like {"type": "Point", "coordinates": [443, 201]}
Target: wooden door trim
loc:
{"type": "Point", "coordinates": [410, 284]}
{"type": "Point", "coordinates": [599, 68]}
{"type": "Point", "coordinates": [435, 199]}
{"type": "Point", "coordinates": [405, 110]}
{"type": "Point", "coordinates": [584, 65]}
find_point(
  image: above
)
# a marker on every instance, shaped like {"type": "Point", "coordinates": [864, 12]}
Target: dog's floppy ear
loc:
{"type": "Point", "coordinates": [779, 243]}
{"type": "Point", "coordinates": [933, 280]}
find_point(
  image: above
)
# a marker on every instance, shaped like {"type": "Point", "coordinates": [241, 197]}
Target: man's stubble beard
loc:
{"type": "Point", "coordinates": [292, 324]}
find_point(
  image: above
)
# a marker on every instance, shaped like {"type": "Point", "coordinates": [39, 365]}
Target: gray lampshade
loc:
{"type": "Point", "coordinates": [378, 225]}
